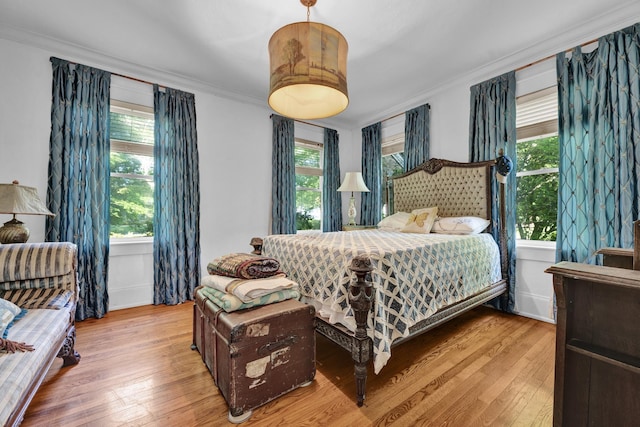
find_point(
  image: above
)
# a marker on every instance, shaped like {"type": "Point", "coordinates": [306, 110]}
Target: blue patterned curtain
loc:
{"type": "Point", "coordinates": [78, 187]}
{"type": "Point", "coordinates": [283, 178]}
{"type": "Point", "coordinates": [599, 137]}
{"type": "Point", "coordinates": [331, 199]}
{"type": "Point", "coordinates": [176, 218]}
{"type": "Point", "coordinates": [492, 126]}
{"type": "Point", "coordinates": [416, 137]}
{"type": "Point", "coordinates": [371, 202]}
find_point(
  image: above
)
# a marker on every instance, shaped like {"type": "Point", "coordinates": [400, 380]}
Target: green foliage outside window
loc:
{"type": "Point", "coordinates": [131, 180]}
{"type": "Point", "coordinates": [304, 221]}
{"type": "Point", "coordinates": [307, 157]}
{"type": "Point", "coordinates": [131, 212]}
{"type": "Point", "coordinates": [308, 189]}
{"type": "Point", "coordinates": [537, 194]}
{"type": "Point", "coordinates": [392, 165]}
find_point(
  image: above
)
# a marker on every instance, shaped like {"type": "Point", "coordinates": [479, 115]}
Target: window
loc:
{"type": "Point", "coordinates": [131, 161]}
{"type": "Point", "coordinates": [309, 157]}
{"type": "Point", "coordinates": [537, 158]}
{"type": "Point", "coordinates": [392, 165]}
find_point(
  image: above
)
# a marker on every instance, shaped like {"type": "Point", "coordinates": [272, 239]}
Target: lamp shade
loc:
{"type": "Point", "coordinates": [19, 199]}
{"type": "Point", "coordinates": [353, 182]}
{"type": "Point", "coordinates": [308, 71]}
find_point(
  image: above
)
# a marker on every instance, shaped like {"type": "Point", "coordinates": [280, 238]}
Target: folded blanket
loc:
{"type": "Point", "coordinates": [244, 266]}
{"type": "Point", "coordinates": [248, 289]}
{"type": "Point", "coordinates": [230, 303]}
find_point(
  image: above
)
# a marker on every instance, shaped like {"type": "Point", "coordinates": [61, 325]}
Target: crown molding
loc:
{"type": "Point", "coordinates": [617, 19]}
{"type": "Point", "coordinates": [97, 59]}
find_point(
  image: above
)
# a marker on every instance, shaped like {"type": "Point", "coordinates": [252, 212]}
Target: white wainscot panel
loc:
{"type": "Point", "coordinates": [130, 273]}
{"type": "Point", "coordinates": [534, 287]}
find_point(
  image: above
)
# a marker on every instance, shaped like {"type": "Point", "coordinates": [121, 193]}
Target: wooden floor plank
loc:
{"type": "Point", "coordinates": [467, 356]}
{"type": "Point", "coordinates": [137, 369]}
{"type": "Point", "coordinates": [474, 401]}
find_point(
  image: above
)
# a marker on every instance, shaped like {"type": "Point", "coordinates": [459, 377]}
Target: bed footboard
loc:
{"type": "Point", "coordinates": [457, 189]}
{"type": "Point", "coordinates": [361, 298]}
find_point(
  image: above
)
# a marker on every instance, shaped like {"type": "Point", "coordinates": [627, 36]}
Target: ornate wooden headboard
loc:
{"type": "Point", "coordinates": [457, 189]}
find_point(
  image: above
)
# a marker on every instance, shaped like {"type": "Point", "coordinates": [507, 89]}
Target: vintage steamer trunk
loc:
{"type": "Point", "coordinates": [258, 354]}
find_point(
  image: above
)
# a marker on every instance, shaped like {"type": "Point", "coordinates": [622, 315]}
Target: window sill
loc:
{"type": "Point", "coordinates": [536, 250]}
{"type": "Point", "coordinates": [131, 246]}
{"type": "Point", "coordinates": [308, 231]}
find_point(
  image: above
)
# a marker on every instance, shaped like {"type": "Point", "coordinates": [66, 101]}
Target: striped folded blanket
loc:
{"type": "Point", "coordinates": [244, 266]}
{"type": "Point", "coordinates": [249, 289]}
{"type": "Point", "coordinates": [53, 298]}
{"type": "Point", "coordinates": [230, 303]}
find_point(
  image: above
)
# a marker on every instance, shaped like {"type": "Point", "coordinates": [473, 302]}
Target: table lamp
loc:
{"type": "Point", "coordinates": [18, 199]}
{"type": "Point", "coordinates": [353, 182]}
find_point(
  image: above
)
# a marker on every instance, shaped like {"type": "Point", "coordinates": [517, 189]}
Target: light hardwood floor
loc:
{"type": "Point", "coordinates": [484, 368]}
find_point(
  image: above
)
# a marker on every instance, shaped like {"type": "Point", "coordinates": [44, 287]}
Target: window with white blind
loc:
{"type": "Point", "coordinates": [131, 162]}
{"type": "Point", "coordinates": [309, 171]}
{"type": "Point", "coordinates": [537, 161]}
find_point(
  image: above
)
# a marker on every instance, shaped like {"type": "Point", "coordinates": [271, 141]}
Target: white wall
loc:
{"type": "Point", "coordinates": [234, 139]}
{"type": "Point", "coordinates": [234, 143]}
{"type": "Point", "coordinates": [25, 122]}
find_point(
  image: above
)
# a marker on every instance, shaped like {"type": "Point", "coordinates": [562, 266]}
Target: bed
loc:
{"type": "Point", "coordinates": [406, 283]}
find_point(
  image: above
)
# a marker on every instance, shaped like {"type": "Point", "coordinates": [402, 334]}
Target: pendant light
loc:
{"type": "Point", "coordinates": [308, 70]}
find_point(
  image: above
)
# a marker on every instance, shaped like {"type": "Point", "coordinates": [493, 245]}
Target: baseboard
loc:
{"type": "Point", "coordinates": [535, 307]}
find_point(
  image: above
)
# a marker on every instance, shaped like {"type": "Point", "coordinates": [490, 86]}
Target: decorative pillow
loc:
{"type": "Point", "coordinates": [8, 311]}
{"type": "Point", "coordinates": [244, 266]}
{"type": "Point", "coordinates": [460, 225]}
{"type": "Point", "coordinates": [421, 220]}
{"type": "Point", "coordinates": [395, 222]}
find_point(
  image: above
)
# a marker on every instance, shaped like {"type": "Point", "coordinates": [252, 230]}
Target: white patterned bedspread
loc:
{"type": "Point", "coordinates": [414, 275]}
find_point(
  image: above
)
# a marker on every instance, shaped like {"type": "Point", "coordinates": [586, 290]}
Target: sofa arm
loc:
{"type": "Point", "coordinates": [50, 265]}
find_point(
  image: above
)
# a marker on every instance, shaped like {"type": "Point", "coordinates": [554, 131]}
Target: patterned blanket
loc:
{"type": "Point", "coordinates": [244, 266]}
{"type": "Point", "coordinates": [414, 275]}
{"type": "Point", "coordinates": [229, 302]}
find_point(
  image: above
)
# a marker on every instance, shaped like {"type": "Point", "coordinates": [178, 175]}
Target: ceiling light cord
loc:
{"type": "Point", "coordinates": [308, 3]}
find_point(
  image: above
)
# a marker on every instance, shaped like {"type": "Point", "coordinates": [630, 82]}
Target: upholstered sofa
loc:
{"type": "Point", "coordinates": [40, 278]}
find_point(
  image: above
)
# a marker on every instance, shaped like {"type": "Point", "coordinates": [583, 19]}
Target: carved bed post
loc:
{"type": "Point", "coordinates": [256, 242]}
{"type": "Point", "coordinates": [360, 298]}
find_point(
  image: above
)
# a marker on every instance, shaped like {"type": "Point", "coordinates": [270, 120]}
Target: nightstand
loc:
{"type": "Point", "coordinates": [358, 227]}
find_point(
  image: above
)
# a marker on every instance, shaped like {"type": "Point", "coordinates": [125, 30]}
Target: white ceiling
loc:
{"type": "Point", "coordinates": [400, 51]}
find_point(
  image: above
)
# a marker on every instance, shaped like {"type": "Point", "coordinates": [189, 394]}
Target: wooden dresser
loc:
{"type": "Point", "coordinates": [597, 376]}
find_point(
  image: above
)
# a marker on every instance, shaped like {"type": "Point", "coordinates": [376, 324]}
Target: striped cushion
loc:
{"type": "Point", "coordinates": [39, 297]}
{"type": "Point", "coordinates": [17, 370]}
{"type": "Point", "coordinates": [29, 265]}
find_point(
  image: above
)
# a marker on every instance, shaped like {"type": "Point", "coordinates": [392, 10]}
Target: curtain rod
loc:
{"type": "Point", "coordinates": [552, 56]}
{"type": "Point", "coordinates": [398, 115]}
{"type": "Point", "coordinates": [121, 75]}
{"type": "Point", "coordinates": [392, 117]}
{"type": "Point", "coordinates": [138, 80]}
{"type": "Point", "coordinates": [300, 121]}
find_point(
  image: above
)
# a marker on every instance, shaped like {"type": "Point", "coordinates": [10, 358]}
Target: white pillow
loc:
{"type": "Point", "coordinates": [421, 220]}
{"type": "Point", "coordinates": [8, 311]}
{"type": "Point", "coordinates": [395, 222]}
{"type": "Point", "coordinates": [460, 225]}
